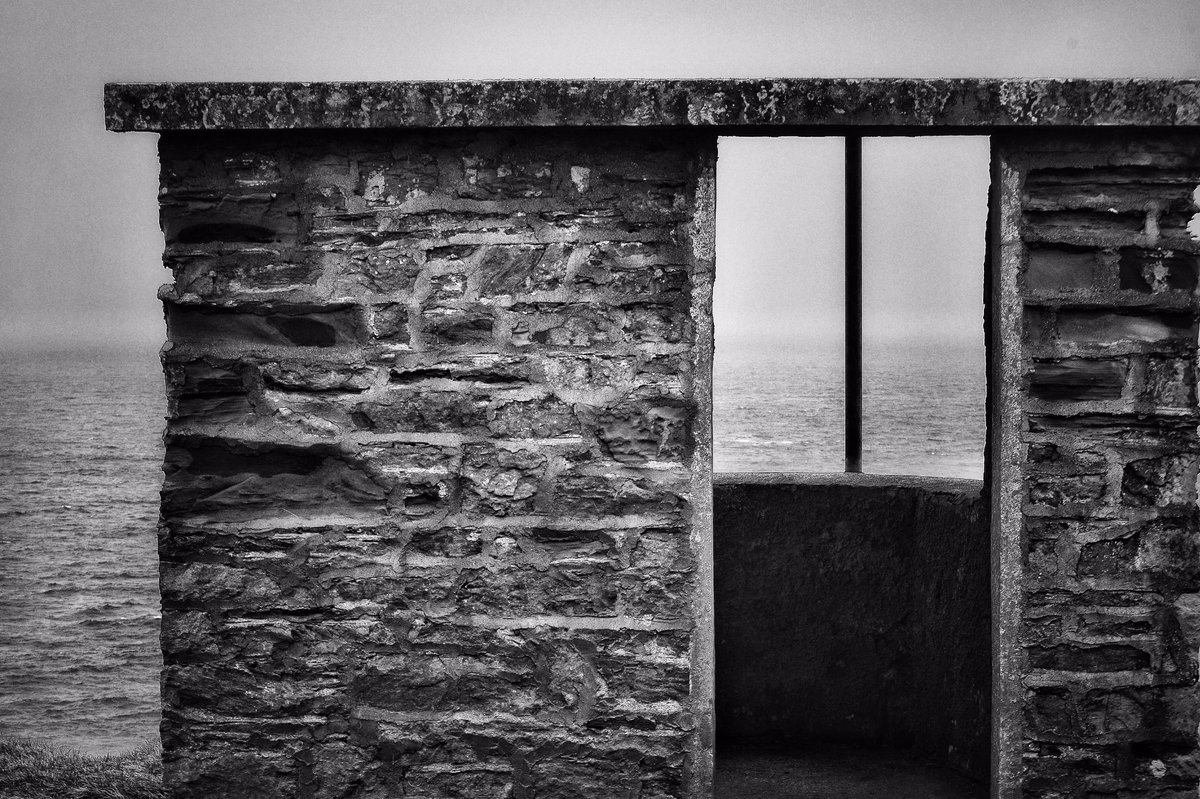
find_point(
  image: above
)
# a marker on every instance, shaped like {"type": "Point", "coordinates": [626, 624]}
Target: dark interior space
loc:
{"type": "Point", "coordinates": [853, 640]}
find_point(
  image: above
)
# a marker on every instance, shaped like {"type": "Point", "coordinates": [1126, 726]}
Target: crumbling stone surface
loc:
{"type": "Point", "coordinates": [961, 102]}
{"type": "Point", "coordinates": [431, 525]}
{"type": "Point", "coordinates": [1098, 228]}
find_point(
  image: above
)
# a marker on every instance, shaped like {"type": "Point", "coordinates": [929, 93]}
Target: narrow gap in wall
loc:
{"type": "Point", "coordinates": [924, 377]}
{"type": "Point", "coordinates": [851, 611]}
{"type": "Point", "coordinates": [779, 361]}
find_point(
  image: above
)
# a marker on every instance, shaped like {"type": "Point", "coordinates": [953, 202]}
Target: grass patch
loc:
{"type": "Point", "coordinates": [30, 770]}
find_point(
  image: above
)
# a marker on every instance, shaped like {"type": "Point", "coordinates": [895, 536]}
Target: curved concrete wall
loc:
{"type": "Point", "coordinates": [855, 609]}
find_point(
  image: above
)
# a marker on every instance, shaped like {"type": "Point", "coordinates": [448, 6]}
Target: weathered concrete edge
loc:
{"type": "Point", "coordinates": [1007, 513]}
{"type": "Point", "coordinates": [883, 102]}
{"type": "Point", "coordinates": [701, 246]}
{"type": "Point", "coordinates": [939, 485]}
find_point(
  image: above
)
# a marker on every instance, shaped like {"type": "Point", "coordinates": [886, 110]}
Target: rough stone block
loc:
{"type": "Point", "coordinates": [451, 542]}
{"type": "Point", "coordinates": [482, 368]}
{"type": "Point", "coordinates": [632, 268]}
{"type": "Point", "coordinates": [262, 269]}
{"type": "Point", "coordinates": [294, 375]}
{"type": "Point", "coordinates": [644, 666]}
{"type": "Point", "coordinates": [1089, 659]}
{"type": "Point", "coordinates": [389, 322]}
{"type": "Point", "coordinates": [1076, 379]}
{"type": "Point", "coordinates": [397, 179]}
{"type": "Point", "coordinates": [599, 491]}
{"type": "Point", "coordinates": [444, 327]}
{"type": "Point", "coordinates": [537, 417]}
{"type": "Point", "coordinates": [563, 325]}
{"type": "Point", "coordinates": [1058, 490]}
{"type": "Point", "coordinates": [1162, 482]}
{"type": "Point", "coordinates": [660, 582]}
{"type": "Point", "coordinates": [385, 269]}
{"type": "Point", "coordinates": [1147, 271]}
{"type": "Point", "coordinates": [508, 175]}
{"type": "Point", "coordinates": [1060, 269]}
{"type": "Point", "coordinates": [448, 681]}
{"type": "Point", "coordinates": [501, 482]}
{"type": "Point", "coordinates": [1170, 382]}
{"type": "Point", "coordinates": [1085, 227]}
{"type": "Point", "coordinates": [447, 289]}
{"type": "Point", "coordinates": [649, 323]}
{"type": "Point", "coordinates": [1113, 556]}
{"type": "Point", "coordinates": [1115, 715]}
{"type": "Point", "coordinates": [231, 770]}
{"type": "Point", "coordinates": [216, 221]}
{"type": "Point", "coordinates": [564, 776]}
{"type": "Point", "coordinates": [1105, 328]}
{"type": "Point", "coordinates": [642, 430]}
{"type": "Point", "coordinates": [199, 389]}
{"type": "Point", "coordinates": [1043, 452]}
{"type": "Point", "coordinates": [454, 781]}
{"type": "Point", "coordinates": [214, 584]}
{"type": "Point", "coordinates": [589, 376]}
{"type": "Point", "coordinates": [507, 270]}
{"type": "Point", "coordinates": [504, 590]}
{"type": "Point", "coordinates": [1169, 554]}
{"type": "Point", "coordinates": [423, 411]}
{"type": "Point", "coordinates": [212, 475]}
{"type": "Point", "coordinates": [298, 327]}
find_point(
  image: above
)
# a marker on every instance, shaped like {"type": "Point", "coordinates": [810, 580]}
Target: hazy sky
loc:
{"type": "Point", "coordinates": [780, 238]}
{"type": "Point", "coordinates": [79, 240]}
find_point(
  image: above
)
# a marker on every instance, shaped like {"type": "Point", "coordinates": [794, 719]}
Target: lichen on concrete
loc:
{"type": "Point", "coordinates": [798, 102]}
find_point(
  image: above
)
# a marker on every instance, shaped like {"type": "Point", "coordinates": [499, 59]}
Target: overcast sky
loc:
{"type": "Point", "coordinates": [79, 240]}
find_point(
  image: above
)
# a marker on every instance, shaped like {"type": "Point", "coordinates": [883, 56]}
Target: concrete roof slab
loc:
{"type": "Point", "coordinates": [740, 103]}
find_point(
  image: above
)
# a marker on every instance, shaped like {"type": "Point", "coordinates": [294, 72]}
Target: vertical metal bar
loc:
{"type": "Point", "coordinates": [854, 304]}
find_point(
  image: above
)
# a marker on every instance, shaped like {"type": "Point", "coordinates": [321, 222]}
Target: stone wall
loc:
{"type": "Point", "coordinates": [437, 499]}
{"type": "Point", "coordinates": [437, 512]}
{"type": "Point", "coordinates": [854, 609]}
{"type": "Point", "coordinates": [1098, 278]}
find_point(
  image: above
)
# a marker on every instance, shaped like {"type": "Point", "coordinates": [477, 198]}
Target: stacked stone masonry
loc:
{"type": "Point", "coordinates": [437, 518]}
{"type": "Point", "coordinates": [436, 465]}
{"type": "Point", "coordinates": [1098, 226]}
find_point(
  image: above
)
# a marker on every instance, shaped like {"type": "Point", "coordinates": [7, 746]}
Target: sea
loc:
{"type": "Point", "coordinates": [780, 406]}
{"type": "Point", "coordinates": [80, 457]}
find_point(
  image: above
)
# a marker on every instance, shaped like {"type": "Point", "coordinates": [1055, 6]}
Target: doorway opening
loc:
{"type": "Point", "coordinates": [851, 526]}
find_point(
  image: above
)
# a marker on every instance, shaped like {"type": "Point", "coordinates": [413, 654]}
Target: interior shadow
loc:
{"type": "Point", "coordinates": [853, 636]}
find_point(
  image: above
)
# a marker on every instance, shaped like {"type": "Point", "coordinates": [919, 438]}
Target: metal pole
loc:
{"type": "Point", "coordinates": [854, 304]}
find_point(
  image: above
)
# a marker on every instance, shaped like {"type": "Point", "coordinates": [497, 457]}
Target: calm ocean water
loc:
{"type": "Point", "coordinates": [80, 450]}
{"type": "Point", "coordinates": [781, 408]}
